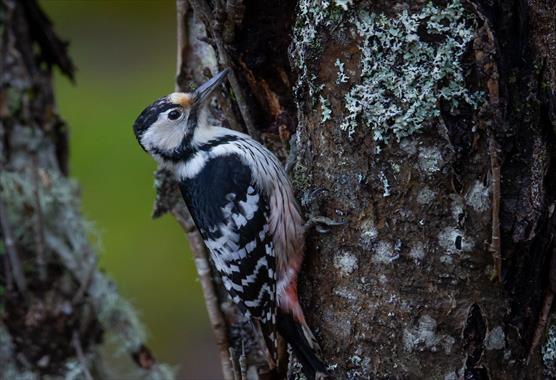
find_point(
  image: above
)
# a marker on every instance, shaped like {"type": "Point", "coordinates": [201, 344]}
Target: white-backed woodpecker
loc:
{"type": "Point", "coordinates": [243, 204]}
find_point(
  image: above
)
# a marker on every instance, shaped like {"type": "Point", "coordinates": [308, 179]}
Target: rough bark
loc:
{"type": "Point", "coordinates": [429, 128]}
{"type": "Point", "coordinates": [453, 195]}
{"type": "Point", "coordinates": [56, 307]}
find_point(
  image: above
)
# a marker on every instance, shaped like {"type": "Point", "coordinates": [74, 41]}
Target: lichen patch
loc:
{"type": "Point", "coordinates": [430, 159]}
{"type": "Point", "coordinates": [311, 16]}
{"type": "Point", "coordinates": [548, 352]}
{"type": "Point", "coordinates": [425, 196]}
{"type": "Point", "coordinates": [417, 251]}
{"type": "Point", "coordinates": [346, 262]}
{"type": "Point", "coordinates": [345, 293]}
{"type": "Point", "coordinates": [409, 146]}
{"type": "Point", "coordinates": [454, 241]}
{"type": "Point", "coordinates": [478, 197]}
{"type": "Point", "coordinates": [342, 77]}
{"type": "Point", "coordinates": [384, 252]}
{"type": "Point", "coordinates": [344, 4]}
{"type": "Point", "coordinates": [457, 207]}
{"type": "Point", "coordinates": [408, 64]}
{"type": "Point", "coordinates": [424, 337]}
{"type": "Point", "coordinates": [496, 339]}
{"type": "Point", "coordinates": [421, 336]}
{"type": "Point", "coordinates": [369, 233]}
{"type": "Point", "coordinates": [326, 111]}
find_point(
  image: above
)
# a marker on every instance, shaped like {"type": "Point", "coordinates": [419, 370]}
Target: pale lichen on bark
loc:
{"type": "Point", "coordinates": [380, 140]}
{"type": "Point", "coordinates": [403, 75]}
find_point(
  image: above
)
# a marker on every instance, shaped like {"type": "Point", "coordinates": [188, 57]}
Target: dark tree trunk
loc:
{"type": "Point", "coordinates": [55, 306]}
{"type": "Point", "coordinates": [430, 129]}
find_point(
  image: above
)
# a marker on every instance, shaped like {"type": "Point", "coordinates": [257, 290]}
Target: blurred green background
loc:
{"type": "Point", "coordinates": [125, 56]}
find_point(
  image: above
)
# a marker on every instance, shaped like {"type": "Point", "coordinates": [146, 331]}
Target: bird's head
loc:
{"type": "Point", "coordinates": [166, 126]}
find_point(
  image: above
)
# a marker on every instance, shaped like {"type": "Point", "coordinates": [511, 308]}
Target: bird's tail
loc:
{"type": "Point", "coordinates": [304, 345]}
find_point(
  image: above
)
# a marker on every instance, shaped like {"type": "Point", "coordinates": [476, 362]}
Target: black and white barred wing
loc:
{"type": "Point", "coordinates": [232, 216]}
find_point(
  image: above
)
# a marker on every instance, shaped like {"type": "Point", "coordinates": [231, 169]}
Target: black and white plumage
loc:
{"type": "Point", "coordinates": [243, 205]}
{"type": "Point", "coordinates": [233, 221]}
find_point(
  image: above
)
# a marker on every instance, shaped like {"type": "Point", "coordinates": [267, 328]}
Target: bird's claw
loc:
{"type": "Point", "coordinates": [321, 222]}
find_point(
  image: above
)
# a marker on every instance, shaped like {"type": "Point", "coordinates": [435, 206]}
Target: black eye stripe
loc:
{"type": "Point", "coordinates": [151, 114]}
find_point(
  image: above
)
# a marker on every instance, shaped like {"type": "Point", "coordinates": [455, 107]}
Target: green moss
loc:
{"type": "Point", "coordinates": [301, 178]}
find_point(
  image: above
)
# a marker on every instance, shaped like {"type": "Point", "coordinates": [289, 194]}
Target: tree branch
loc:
{"type": "Point", "coordinates": [76, 342]}
{"type": "Point", "coordinates": [541, 325]}
{"type": "Point", "coordinates": [182, 8]}
{"type": "Point", "coordinates": [495, 246]}
{"type": "Point", "coordinates": [209, 292]}
{"type": "Point", "coordinates": [15, 263]}
{"type": "Point", "coordinates": [39, 221]}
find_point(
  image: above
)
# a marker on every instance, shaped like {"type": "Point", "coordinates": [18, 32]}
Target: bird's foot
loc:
{"type": "Point", "coordinates": [320, 224]}
{"type": "Point", "coordinates": [312, 199]}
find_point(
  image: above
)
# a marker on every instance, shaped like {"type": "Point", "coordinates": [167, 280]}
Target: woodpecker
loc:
{"type": "Point", "coordinates": [242, 202]}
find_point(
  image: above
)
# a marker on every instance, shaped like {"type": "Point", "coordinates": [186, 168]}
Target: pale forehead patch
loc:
{"type": "Point", "coordinates": [181, 98]}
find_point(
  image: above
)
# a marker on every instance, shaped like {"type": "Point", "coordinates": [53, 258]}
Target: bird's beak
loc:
{"type": "Point", "coordinates": [203, 92]}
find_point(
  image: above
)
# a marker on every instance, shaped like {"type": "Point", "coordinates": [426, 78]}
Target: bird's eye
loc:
{"type": "Point", "coordinates": [174, 115]}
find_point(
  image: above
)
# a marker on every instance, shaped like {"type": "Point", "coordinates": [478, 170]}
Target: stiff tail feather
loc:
{"type": "Point", "coordinates": [304, 346]}
{"type": "Point", "coordinates": [267, 333]}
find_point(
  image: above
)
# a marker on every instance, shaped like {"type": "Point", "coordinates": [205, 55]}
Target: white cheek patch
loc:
{"type": "Point", "coordinates": [164, 135]}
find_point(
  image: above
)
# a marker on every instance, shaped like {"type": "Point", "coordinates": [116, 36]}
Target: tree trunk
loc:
{"type": "Point", "coordinates": [55, 305]}
{"type": "Point", "coordinates": [429, 129]}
